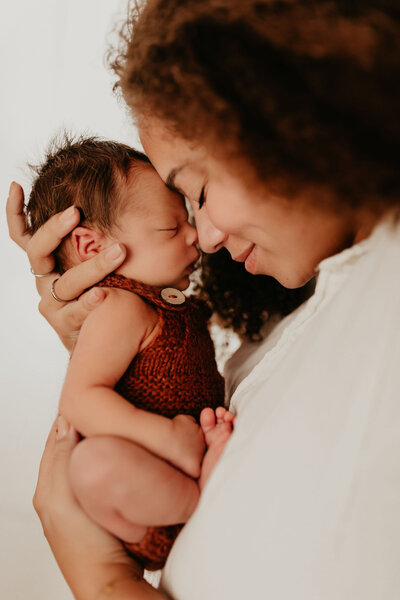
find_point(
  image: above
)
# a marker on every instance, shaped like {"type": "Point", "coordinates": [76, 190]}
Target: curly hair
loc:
{"type": "Point", "coordinates": [241, 301]}
{"type": "Point", "coordinates": [306, 92]}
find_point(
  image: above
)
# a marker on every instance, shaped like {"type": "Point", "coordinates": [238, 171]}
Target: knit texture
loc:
{"type": "Point", "coordinates": [175, 374]}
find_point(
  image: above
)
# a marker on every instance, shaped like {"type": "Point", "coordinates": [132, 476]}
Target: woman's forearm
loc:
{"type": "Point", "coordinates": [129, 588]}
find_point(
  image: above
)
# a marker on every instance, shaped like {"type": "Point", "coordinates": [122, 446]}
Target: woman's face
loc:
{"type": "Point", "coordinates": [271, 235]}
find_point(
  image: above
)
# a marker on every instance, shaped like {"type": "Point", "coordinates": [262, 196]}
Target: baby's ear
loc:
{"type": "Point", "coordinates": [87, 242]}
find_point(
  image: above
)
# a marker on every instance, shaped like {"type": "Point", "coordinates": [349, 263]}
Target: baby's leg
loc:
{"type": "Point", "coordinates": [126, 489]}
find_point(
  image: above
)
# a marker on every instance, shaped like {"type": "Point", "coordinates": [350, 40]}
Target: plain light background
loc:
{"type": "Point", "coordinates": [52, 76]}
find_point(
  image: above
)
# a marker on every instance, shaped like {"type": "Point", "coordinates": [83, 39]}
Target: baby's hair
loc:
{"type": "Point", "coordinates": [85, 172]}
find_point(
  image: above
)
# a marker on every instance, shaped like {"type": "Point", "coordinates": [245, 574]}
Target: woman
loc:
{"type": "Point", "coordinates": [278, 121]}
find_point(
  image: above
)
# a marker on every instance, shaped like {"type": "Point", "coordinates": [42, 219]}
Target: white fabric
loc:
{"type": "Point", "coordinates": [305, 502]}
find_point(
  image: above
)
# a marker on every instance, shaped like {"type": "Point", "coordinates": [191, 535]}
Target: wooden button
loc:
{"type": "Point", "coordinates": [172, 296]}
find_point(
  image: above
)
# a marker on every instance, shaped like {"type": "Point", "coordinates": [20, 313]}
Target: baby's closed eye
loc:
{"type": "Point", "coordinates": [169, 230]}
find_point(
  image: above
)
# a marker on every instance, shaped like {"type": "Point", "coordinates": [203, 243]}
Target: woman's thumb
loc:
{"type": "Point", "coordinates": [65, 431]}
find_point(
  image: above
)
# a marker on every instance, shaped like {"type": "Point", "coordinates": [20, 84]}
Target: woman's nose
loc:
{"type": "Point", "coordinates": [210, 237]}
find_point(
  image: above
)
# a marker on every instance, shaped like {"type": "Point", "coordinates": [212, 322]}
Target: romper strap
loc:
{"type": "Point", "coordinates": [161, 297]}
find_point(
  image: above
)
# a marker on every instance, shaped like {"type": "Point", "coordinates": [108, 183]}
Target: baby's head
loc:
{"type": "Point", "coordinates": [121, 199]}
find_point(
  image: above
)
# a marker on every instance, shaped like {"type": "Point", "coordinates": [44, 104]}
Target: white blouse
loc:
{"type": "Point", "coordinates": [305, 501]}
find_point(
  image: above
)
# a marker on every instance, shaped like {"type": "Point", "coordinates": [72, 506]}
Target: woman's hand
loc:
{"type": "Point", "coordinates": [65, 317]}
{"type": "Point", "coordinates": [93, 562]}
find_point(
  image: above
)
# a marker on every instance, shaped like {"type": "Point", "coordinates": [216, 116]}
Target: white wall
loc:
{"type": "Point", "coordinates": [52, 75]}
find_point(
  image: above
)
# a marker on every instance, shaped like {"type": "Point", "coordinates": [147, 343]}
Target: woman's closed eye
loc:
{"type": "Point", "coordinates": [202, 198]}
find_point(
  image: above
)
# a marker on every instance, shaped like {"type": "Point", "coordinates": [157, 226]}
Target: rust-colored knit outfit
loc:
{"type": "Point", "coordinates": [175, 374]}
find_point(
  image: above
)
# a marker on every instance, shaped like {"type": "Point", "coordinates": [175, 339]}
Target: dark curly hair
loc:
{"type": "Point", "coordinates": [241, 301]}
{"type": "Point", "coordinates": [306, 92]}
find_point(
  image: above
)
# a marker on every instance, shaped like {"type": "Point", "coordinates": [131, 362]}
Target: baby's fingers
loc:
{"type": "Point", "coordinates": [15, 216]}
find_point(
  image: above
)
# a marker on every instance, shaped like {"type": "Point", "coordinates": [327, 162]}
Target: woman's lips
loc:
{"type": "Point", "coordinates": [242, 257]}
{"type": "Point", "coordinates": [190, 268]}
{"type": "Point", "coordinates": [251, 260]}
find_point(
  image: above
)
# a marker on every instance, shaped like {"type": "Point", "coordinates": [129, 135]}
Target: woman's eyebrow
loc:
{"type": "Point", "coordinates": [170, 182]}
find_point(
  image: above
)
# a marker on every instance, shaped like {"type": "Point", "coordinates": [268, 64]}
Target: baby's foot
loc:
{"type": "Point", "coordinates": [217, 428]}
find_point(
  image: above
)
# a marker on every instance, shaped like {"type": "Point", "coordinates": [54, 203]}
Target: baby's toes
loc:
{"type": "Point", "coordinates": [207, 420]}
{"type": "Point", "coordinates": [229, 417]}
{"type": "Point", "coordinates": [220, 414]}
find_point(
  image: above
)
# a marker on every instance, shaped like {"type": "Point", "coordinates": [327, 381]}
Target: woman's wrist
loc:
{"type": "Point", "coordinates": [128, 587]}
{"type": "Point", "coordinates": [95, 574]}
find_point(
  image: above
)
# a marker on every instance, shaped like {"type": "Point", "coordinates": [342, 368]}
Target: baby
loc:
{"type": "Point", "coordinates": [143, 371]}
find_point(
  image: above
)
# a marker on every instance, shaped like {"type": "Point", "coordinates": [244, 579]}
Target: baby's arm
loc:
{"type": "Point", "coordinates": [110, 337]}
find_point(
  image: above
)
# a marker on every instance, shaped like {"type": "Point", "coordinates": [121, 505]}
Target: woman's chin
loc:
{"type": "Point", "coordinates": [290, 280]}
{"type": "Point", "coordinates": [294, 281]}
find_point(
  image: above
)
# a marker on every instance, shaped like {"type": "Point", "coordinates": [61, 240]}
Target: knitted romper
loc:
{"type": "Point", "coordinates": [175, 374]}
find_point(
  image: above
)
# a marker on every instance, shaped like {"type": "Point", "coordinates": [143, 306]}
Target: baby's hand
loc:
{"type": "Point", "coordinates": [190, 446]}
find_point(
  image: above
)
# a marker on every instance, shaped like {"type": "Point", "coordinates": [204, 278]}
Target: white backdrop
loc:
{"type": "Point", "coordinates": [52, 75]}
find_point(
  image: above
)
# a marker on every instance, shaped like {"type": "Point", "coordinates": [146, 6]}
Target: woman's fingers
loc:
{"type": "Point", "coordinates": [67, 316]}
{"type": "Point", "coordinates": [67, 319]}
{"type": "Point", "coordinates": [48, 237]}
{"type": "Point", "coordinates": [45, 468]}
{"type": "Point", "coordinates": [56, 305]}
{"type": "Point", "coordinates": [75, 313]}
{"type": "Point", "coordinates": [15, 216]}
{"type": "Point", "coordinates": [55, 463]}
{"type": "Point", "coordinates": [72, 317]}
{"type": "Point", "coordinates": [84, 275]}
{"type": "Point", "coordinates": [66, 440]}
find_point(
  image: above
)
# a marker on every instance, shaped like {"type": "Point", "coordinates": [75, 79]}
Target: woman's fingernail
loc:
{"type": "Point", "coordinates": [63, 427]}
{"type": "Point", "coordinates": [68, 215]}
{"type": "Point", "coordinates": [11, 187]}
{"type": "Point", "coordinates": [114, 252]}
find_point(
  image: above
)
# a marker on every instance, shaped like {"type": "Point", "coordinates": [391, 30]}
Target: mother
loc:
{"type": "Point", "coordinates": [279, 122]}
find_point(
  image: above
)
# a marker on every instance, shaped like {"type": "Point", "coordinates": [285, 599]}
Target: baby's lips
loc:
{"type": "Point", "coordinates": [196, 263]}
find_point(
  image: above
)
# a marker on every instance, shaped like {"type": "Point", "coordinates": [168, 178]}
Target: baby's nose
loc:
{"type": "Point", "coordinates": [191, 237]}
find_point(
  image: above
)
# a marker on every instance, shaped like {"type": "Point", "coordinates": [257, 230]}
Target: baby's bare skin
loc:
{"type": "Point", "coordinates": [217, 429]}
{"type": "Point", "coordinates": [114, 480]}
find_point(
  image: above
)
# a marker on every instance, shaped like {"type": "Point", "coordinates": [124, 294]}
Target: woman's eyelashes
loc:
{"type": "Point", "coordinates": [202, 198]}
{"type": "Point", "coordinates": [192, 202]}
